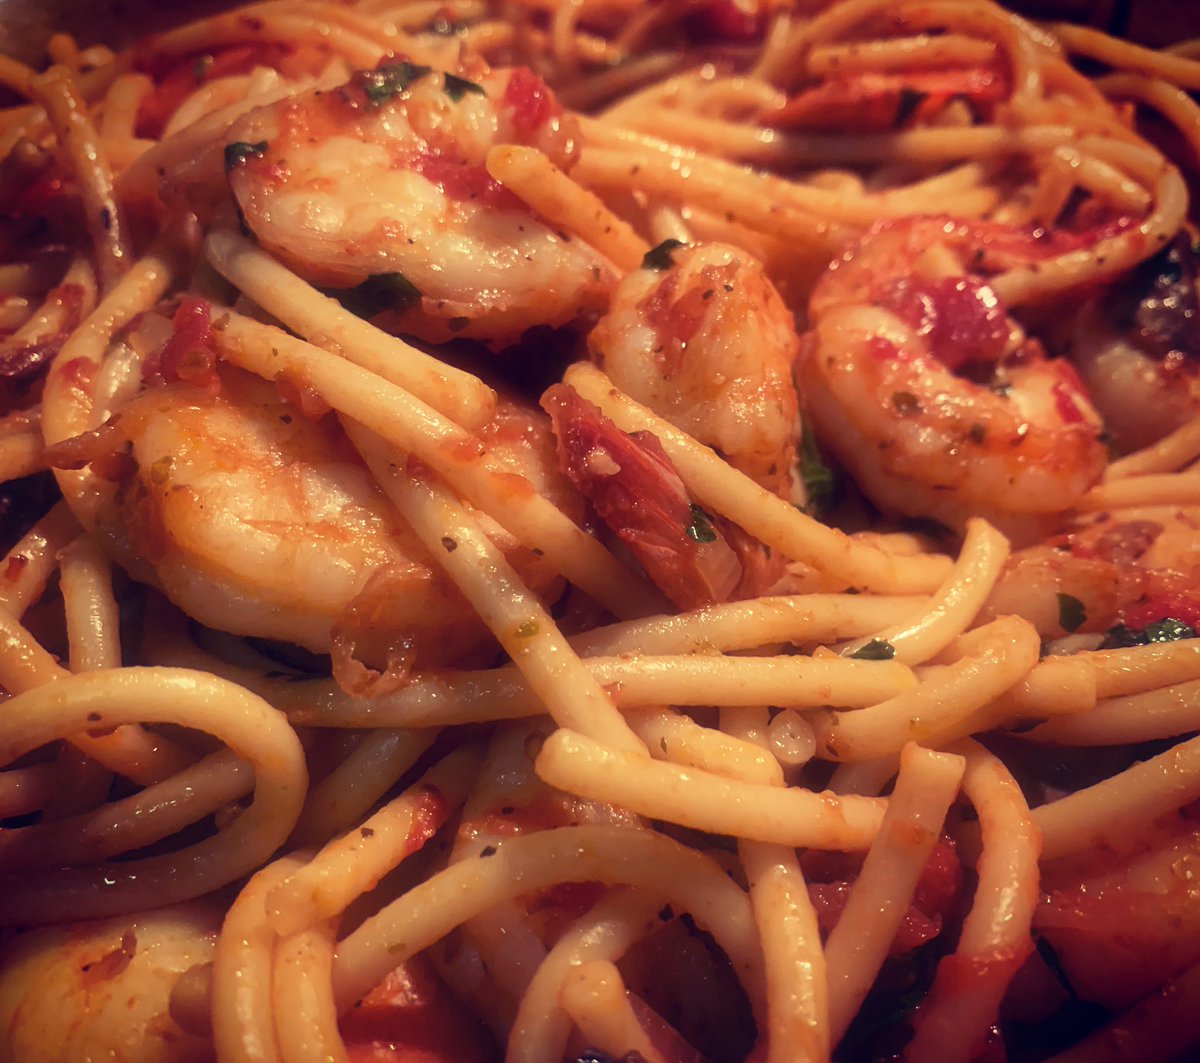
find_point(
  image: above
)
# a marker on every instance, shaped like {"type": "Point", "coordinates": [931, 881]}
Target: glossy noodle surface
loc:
{"type": "Point", "coordinates": [600, 532]}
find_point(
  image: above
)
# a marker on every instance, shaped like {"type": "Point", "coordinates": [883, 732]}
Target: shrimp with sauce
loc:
{"type": "Point", "coordinates": [1126, 577]}
{"type": "Point", "coordinates": [103, 990]}
{"type": "Point", "coordinates": [380, 188]}
{"type": "Point", "coordinates": [250, 510]}
{"type": "Point", "coordinates": [702, 338]}
{"type": "Point", "coordinates": [930, 394]}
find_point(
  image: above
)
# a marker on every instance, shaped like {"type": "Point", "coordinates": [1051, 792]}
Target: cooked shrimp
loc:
{"type": "Point", "coordinates": [1132, 575]}
{"type": "Point", "coordinates": [381, 186]}
{"type": "Point", "coordinates": [705, 341]}
{"type": "Point", "coordinates": [253, 514]}
{"type": "Point", "coordinates": [1138, 349]}
{"type": "Point", "coordinates": [929, 393]}
{"type": "Point", "coordinates": [102, 990]}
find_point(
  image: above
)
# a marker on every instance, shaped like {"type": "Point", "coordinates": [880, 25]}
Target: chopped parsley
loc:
{"type": "Point", "coordinates": [701, 529]}
{"type": "Point", "coordinates": [239, 151]}
{"type": "Point", "coordinates": [875, 650]}
{"type": "Point", "coordinates": [1071, 614]}
{"type": "Point", "coordinates": [820, 484]}
{"type": "Point", "coordinates": [457, 88]}
{"type": "Point", "coordinates": [379, 292]}
{"type": "Point", "coordinates": [382, 84]}
{"type": "Point", "coordinates": [1166, 630]}
{"type": "Point", "coordinates": [659, 258]}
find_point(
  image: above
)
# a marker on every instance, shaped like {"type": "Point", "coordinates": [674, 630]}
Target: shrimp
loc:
{"type": "Point", "coordinates": [1121, 579]}
{"type": "Point", "coordinates": [252, 513]}
{"type": "Point", "coordinates": [1138, 349]}
{"type": "Point", "coordinates": [704, 340]}
{"type": "Point", "coordinates": [102, 990]}
{"type": "Point", "coordinates": [380, 188]}
{"type": "Point", "coordinates": [930, 394]}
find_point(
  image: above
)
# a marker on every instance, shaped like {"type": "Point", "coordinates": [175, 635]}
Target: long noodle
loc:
{"type": "Point", "coordinates": [585, 531]}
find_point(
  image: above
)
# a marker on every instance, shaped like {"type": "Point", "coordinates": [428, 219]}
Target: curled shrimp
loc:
{"type": "Point", "coordinates": [102, 990]}
{"type": "Point", "coordinates": [1123, 578]}
{"type": "Point", "coordinates": [250, 510]}
{"type": "Point", "coordinates": [705, 341]}
{"type": "Point", "coordinates": [380, 186]}
{"type": "Point", "coordinates": [929, 393]}
{"type": "Point", "coordinates": [1138, 349]}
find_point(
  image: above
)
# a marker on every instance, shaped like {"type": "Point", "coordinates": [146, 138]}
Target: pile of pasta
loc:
{"type": "Point", "coordinates": [357, 708]}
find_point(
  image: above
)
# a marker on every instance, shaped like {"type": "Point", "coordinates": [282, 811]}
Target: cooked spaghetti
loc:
{"type": "Point", "coordinates": [600, 531]}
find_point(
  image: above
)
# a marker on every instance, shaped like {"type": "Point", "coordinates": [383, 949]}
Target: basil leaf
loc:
{"type": "Point", "coordinates": [875, 650]}
{"type": "Point", "coordinates": [1071, 614]}
{"type": "Point", "coordinates": [701, 529]}
{"type": "Point", "coordinates": [457, 88]}
{"type": "Point", "coordinates": [239, 151]}
{"type": "Point", "coordinates": [659, 258]}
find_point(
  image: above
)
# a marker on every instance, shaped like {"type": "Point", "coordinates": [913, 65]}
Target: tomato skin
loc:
{"type": "Point", "coordinates": [532, 102]}
{"type": "Point", "coordinates": [934, 901]}
{"type": "Point", "coordinates": [638, 493]}
{"type": "Point", "coordinates": [1125, 927]}
{"type": "Point", "coordinates": [878, 102]}
{"type": "Point", "coordinates": [412, 1017]}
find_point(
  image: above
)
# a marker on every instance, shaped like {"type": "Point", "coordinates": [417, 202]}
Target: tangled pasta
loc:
{"type": "Point", "coordinates": [600, 532]}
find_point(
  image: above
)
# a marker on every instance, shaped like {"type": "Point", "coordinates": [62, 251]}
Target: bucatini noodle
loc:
{"type": "Point", "coordinates": [600, 532]}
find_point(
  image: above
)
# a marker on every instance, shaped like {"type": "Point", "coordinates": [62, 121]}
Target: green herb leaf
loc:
{"type": "Point", "coordinates": [201, 67]}
{"type": "Point", "coordinates": [381, 85]}
{"type": "Point", "coordinates": [239, 151]}
{"type": "Point", "coordinates": [1071, 614]}
{"type": "Point", "coordinates": [701, 529]}
{"type": "Point", "coordinates": [1168, 630]}
{"type": "Point", "coordinates": [383, 291]}
{"type": "Point", "coordinates": [906, 403]}
{"type": "Point", "coordinates": [457, 88]}
{"type": "Point", "coordinates": [820, 484]}
{"type": "Point", "coordinates": [875, 650]}
{"type": "Point", "coordinates": [659, 258]}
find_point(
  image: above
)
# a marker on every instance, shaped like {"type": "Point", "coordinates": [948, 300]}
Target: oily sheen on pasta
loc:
{"type": "Point", "coordinates": [600, 532]}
